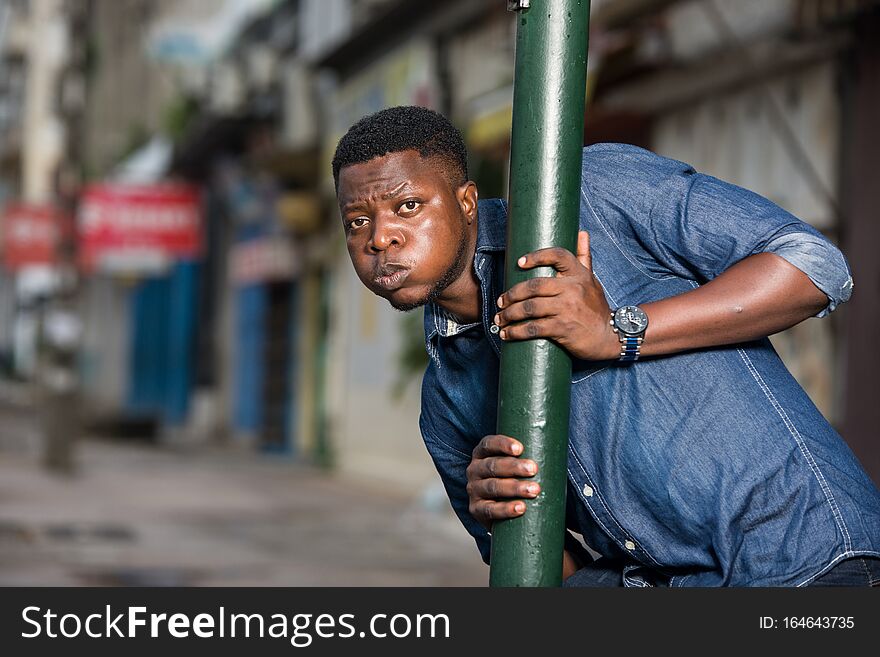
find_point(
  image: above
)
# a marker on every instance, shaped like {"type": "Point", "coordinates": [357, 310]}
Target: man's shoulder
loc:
{"type": "Point", "coordinates": [619, 162]}
{"type": "Point", "coordinates": [491, 224]}
{"type": "Point", "coordinates": [493, 205]}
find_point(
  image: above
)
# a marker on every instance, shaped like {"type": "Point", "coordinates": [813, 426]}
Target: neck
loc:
{"type": "Point", "coordinates": [464, 303]}
{"type": "Point", "coordinates": [461, 298]}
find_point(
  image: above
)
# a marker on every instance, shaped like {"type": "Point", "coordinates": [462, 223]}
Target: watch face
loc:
{"type": "Point", "coordinates": [630, 320]}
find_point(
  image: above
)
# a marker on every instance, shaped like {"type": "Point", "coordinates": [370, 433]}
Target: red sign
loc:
{"type": "Point", "coordinates": [31, 235]}
{"type": "Point", "coordinates": [120, 222]}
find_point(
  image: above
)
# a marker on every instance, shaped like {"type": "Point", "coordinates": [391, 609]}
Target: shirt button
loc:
{"type": "Point", "coordinates": [494, 328]}
{"type": "Point", "coordinates": [588, 492]}
{"type": "Point", "coordinates": [629, 545]}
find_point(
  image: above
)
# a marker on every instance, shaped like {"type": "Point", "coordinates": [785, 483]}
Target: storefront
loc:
{"type": "Point", "coordinates": [141, 245]}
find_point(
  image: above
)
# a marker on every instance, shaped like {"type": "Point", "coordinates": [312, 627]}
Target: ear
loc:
{"type": "Point", "coordinates": [467, 197]}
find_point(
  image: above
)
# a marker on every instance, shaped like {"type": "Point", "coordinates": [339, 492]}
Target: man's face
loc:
{"type": "Point", "coordinates": [407, 228]}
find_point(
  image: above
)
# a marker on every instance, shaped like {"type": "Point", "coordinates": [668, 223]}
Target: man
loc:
{"type": "Point", "coordinates": [695, 459]}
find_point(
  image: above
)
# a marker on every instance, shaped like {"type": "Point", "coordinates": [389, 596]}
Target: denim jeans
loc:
{"type": "Point", "coordinates": [857, 571]}
{"type": "Point", "coordinates": [602, 572]}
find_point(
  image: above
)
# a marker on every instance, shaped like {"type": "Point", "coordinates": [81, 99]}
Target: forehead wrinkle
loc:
{"type": "Point", "coordinates": [377, 190]}
{"type": "Point", "coordinates": [391, 193]}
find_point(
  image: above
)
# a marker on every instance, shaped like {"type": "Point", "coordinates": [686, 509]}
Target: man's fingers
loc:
{"type": "Point", "coordinates": [545, 327]}
{"type": "Point", "coordinates": [495, 444]}
{"type": "Point", "coordinates": [501, 466]}
{"type": "Point", "coordinates": [500, 489]}
{"type": "Point", "coordinates": [497, 473]}
{"type": "Point", "coordinates": [562, 260]}
{"type": "Point", "coordinates": [583, 250]}
{"type": "Point", "coordinates": [528, 309]}
{"type": "Point", "coordinates": [541, 286]}
{"type": "Point", "coordinates": [488, 512]}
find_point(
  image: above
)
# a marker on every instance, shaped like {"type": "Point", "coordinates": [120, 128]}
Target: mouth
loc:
{"type": "Point", "coordinates": [391, 277]}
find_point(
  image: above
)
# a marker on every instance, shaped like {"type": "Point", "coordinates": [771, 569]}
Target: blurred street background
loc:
{"type": "Point", "coordinates": [195, 388]}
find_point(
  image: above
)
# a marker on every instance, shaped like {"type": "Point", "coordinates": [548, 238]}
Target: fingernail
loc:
{"type": "Point", "coordinates": [530, 468]}
{"type": "Point", "coordinates": [495, 319]}
{"type": "Point", "coordinates": [516, 448]}
{"type": "Point", "coordinates": [521, 262]}
{"type": "Point", "coordinates": [533, 490]}
{"type": "Point", "coordinates": [503, 334]}
{"type": "Point", "coordinates": [500, 302]}
{"type": "Point", "coordinates": [519, 507]}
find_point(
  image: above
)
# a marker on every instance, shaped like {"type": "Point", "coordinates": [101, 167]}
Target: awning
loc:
{"type": "Point", "coordinates": [149, 164]}
{"type": "Point", "coordinates": [199, 33]}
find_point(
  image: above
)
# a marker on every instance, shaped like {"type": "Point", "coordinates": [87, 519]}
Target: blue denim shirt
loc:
{"type": "Point", "coordinates": [705, 468]}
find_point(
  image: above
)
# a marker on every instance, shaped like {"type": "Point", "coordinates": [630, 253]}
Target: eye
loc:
{"type": "Point", "coordinates": [357, 222]}
{"type": "Point", "coordinates": [410, 205]}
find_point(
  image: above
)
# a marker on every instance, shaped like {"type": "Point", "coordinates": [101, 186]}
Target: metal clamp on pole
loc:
{"type": "Point", "coordinates": [516, 5]}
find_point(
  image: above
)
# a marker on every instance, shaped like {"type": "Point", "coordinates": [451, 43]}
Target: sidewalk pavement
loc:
{"type": "Point", "coordinates": [139, 514]}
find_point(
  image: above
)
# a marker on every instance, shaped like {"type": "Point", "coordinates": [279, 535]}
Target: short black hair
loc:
{"type": "Point", "coordinates": [399, 129]}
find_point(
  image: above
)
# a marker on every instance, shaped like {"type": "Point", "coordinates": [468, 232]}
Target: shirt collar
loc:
{"type": "Point", "coordinates": [491, 225]}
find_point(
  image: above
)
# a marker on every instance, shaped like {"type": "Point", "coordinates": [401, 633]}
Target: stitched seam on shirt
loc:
{"type": "Point", "coordinates": [613, 241]}
{"type": "Point", "coordinates": [595, 517]}
{"type": "Point", "coordinates": [435, 357]}
{"type": "Point", "coordinates": [833, 562]}
{"type": "Point", "coordinates": [485, 290]}
{"type": "Point", "coordinates": [681, 580]}
{"type": "Point", "coordinates": [597, 493]}
{"type": "Point", "coordinates": [448, 446]}
{"type": "Point", "coordinates": [432, 352]}
{"type": "Point", "coordinates": [634, 583]}
{"type": "Point", "coordinates": [588, 375]}
{"type": "Point", "coordinates": [823, 484]}
{"type": "Point", "coordinates": [605, 289]}
{"type": "Point", "coordinates": [826, 568]}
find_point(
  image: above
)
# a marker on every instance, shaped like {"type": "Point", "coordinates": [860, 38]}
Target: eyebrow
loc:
{"type": "Point", "coordinates": [384, 196]}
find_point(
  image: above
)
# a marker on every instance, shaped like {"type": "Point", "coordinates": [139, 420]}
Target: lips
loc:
{"type": "Point", "coordinates": [391, 277]}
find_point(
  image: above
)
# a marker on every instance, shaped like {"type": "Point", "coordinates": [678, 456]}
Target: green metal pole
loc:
{"type": "Point", "coordinates": [545, 177]}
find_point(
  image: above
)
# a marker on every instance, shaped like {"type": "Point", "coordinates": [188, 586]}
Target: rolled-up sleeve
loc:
{"type": "Point", "coordinates": [716, 224]}
{"type": "Point", "coordinates": [821, 261]}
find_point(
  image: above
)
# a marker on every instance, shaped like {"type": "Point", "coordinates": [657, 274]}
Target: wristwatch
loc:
{"type": "Point", "coordinates": [630, 323]}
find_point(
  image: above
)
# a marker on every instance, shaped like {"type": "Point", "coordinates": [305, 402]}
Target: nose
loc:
{"type": "Point", "coordinates": [386, 233]}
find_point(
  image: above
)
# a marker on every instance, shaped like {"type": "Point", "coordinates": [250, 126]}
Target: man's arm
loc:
{"type": "Point", "coordinates": [756, 297]}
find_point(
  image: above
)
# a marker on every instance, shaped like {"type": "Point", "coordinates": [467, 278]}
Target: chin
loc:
{"type": "Point", "coordinates": [406, 307]}
{"type": "Point", "coordinates": [406, 300]}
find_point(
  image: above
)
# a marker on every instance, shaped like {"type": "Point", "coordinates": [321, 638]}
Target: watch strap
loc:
{"type": "Point", "coordinates": [630, 348]}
